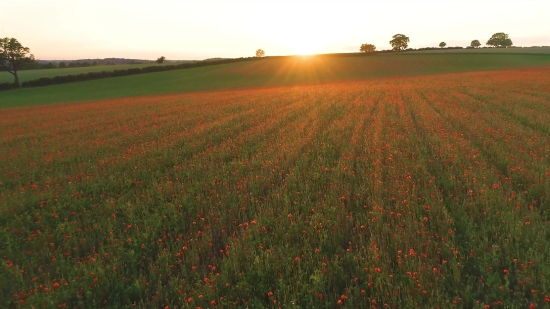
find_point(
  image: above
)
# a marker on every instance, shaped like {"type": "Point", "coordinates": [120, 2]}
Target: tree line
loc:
{"type": "Point", "coordinates": [400, 42]}
{"type": "Point", "coordinates": [15, 57]}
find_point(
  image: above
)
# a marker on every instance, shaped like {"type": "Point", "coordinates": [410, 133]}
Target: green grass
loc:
{"type": "Point", "coordinates": [26, 75]}
{"type": "Point", "coordinates": [267, 73]}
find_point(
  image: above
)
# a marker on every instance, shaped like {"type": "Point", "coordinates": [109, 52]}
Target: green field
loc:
{"type": "Point", "coordinates": [26, 75]}
{"type": "Point", "coordinates": [268, 72]}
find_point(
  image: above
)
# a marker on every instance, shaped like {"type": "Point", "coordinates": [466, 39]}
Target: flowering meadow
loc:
{"type": "Point", "coordinates": [408, 192]}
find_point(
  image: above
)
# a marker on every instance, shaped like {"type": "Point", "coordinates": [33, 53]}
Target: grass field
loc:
{"type": "Point", "coordinates": [288, 71]}
{"type": "Point", "coordinates": [26, 75]}
{"type": "Point", "coordinates": [396, 192]}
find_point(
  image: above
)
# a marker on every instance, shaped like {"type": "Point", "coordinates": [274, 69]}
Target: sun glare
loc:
{"type": "Point", "coordinates": [305, 49]}
{"type": "Point", "coordinates": [303, 45]}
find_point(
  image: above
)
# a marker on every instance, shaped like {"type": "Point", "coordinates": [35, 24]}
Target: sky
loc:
{"type": "Point", "coordinates": [200, 29]}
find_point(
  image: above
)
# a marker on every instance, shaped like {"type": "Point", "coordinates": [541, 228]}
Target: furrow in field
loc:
{"type": "Point", "coordinates": [518, 152]}
{"type": "Point", "coordinates": [471, 186]}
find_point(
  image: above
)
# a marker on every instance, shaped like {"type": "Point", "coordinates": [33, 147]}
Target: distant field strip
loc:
{"type": "Point", "coordinates": [402, 192]}
{"type": "Point", "coordinates": [274, 72]}
{"type": "Point", "coordinates": [26, 75]}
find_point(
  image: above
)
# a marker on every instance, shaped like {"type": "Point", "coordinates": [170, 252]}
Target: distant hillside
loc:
{"type": "Point", "coordinates": [107, 61]}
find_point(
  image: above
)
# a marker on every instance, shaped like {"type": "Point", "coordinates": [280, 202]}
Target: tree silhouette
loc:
{"type": "Point", "coordinates": [500, 39]}
{"type": "Point", "coordinates": [13, 56]}
{"type": "Point", "coordinates": [367, 48]}
{"type": "Point", "coordinates": [400, 42]}
{"type": "Point", "coordinates": [260, 53]}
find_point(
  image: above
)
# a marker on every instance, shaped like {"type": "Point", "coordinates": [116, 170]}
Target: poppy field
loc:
{"type": "Point", "coordinates": [407, 192]}
{"type": "Point", "coordinates": [270, 72]}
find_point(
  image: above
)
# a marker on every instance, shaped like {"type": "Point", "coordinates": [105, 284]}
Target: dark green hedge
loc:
{"type": "Point", "coordinates": [56, 80]}
{"type": "Point", "coordinates": [7, 86]}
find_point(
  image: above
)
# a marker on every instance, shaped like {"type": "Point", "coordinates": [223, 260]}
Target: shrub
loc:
{"type": "Point", "coordinates": [7, 86]}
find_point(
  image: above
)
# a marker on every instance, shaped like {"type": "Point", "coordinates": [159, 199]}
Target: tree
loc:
{"type": "Point", "coordinates": [367, 48]}
{"type": "Point", "coordinates": [400, 42]}
{"type": "Point", "coordinates": [62, 65]}
{"type": "Point", "coordinates": [49, 65]}
{"type": "Point", "coordinates": [260, 53]}
{"type": "Point", "coordinates": [161, 59]}
{"type": "Point", "coordinates": [500, 39]}
{"type": "Point", "coordinates": [13, 56]}
{"type": "Point", "coordinates": [442, 44]}
{"type": "Point", "coordinates": [475, 44]}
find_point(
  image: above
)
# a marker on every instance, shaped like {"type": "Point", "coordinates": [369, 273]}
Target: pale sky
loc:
{"type": "Point", "coordinates": [193, 29]}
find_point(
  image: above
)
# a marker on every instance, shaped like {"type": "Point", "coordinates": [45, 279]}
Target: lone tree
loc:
{"type": "Point", "coordinates": [400, 42]}
{"type": "Point", "coordinates": [500, 40]}
{"type": "Point", "coordinates": [13, 56]}
{"type": "Point", "coordinates": [475, 44]}
{"type": "Point", "coordinates": [367, 48]}
{"type": "Point", "coordinates": [161, 59]}
{"type": "Point", "coordinates": [442, 44]}
{"type": "Point", "coordinates": [260, 53]}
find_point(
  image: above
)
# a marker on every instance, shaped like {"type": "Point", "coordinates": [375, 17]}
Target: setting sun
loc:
{"type": "Point", "coordinates": [305, 47]}
{"type": "Point", "coordinates": [304, 41]}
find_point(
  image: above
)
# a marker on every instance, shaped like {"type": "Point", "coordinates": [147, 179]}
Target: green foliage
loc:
{"type": "Point", "coordinates": [475, 44]}
{"type": "Point", "coordinates": [442, 44]}
{"type": "Point", "coordinates": [400, 42]}
{"type": "Point", "coordinates": [13, 56]}
{"type": "Point", "coordinates": [161, 59]}
{"type": "Point", "coordinates": [500, 40]}
{"type": "Point", "coordinates": [367, 48]}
